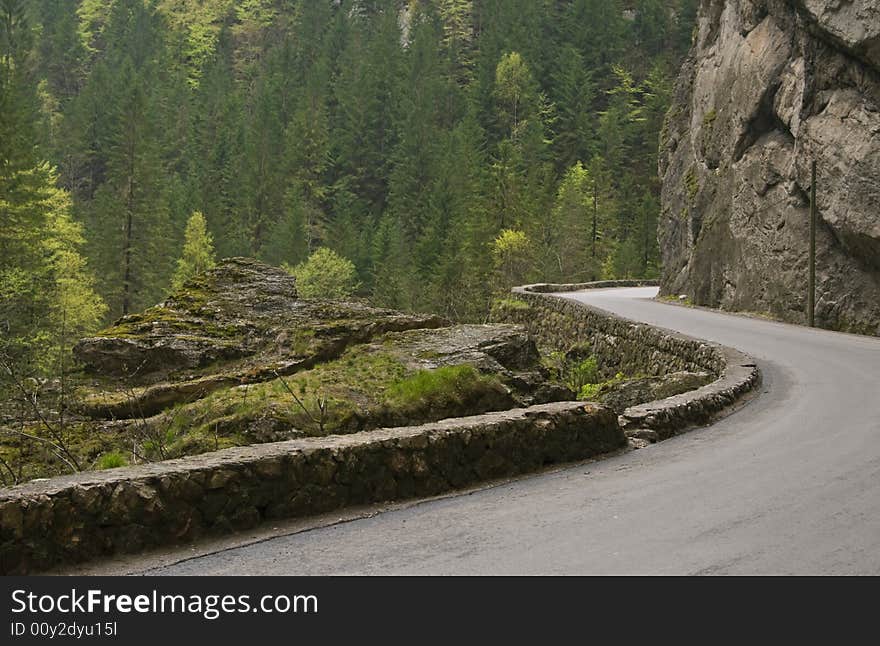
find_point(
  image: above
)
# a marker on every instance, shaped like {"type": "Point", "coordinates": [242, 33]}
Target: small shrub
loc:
{"type": "Point", "coordinates": [325, 274]}
{"type": "Point", "coordinates": [590, 392]}
{"type": "Point", "coordinates": [581, 374]}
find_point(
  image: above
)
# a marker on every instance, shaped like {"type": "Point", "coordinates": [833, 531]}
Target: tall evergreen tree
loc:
{"type": "Point", "coordinates": [46, 295]}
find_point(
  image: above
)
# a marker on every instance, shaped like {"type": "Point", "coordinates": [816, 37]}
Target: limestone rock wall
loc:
{"type": "Point", "coordinates": [769, 86]}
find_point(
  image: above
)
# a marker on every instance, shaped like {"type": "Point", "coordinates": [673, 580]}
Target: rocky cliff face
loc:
{"type": "Point", "coordinates": [770, 86]}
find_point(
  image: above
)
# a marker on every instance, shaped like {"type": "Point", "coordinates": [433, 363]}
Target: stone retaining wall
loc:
{"type": "Point", "coordinates": [621, 344]}
{"type": "Point", "coordinates": [550, 288]}
{"type": "Point", "coordinates": [670, 416]}
{"type": "Point", "coordinates": [74, 518]}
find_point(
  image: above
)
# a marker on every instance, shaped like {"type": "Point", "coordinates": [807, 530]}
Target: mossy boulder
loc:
{"type": "Point", "coordinates": [620, 394]}
{"type": "Point", "coordinates": [225, 358]}
{"type": "Point", "coordinates": [244, 311]}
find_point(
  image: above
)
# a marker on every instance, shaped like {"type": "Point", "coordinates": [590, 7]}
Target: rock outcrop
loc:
{"type": "Point", "coordinates": [242, 310]}
{"type": "Point", "coordinates": [632, 392]}
{"type": "Point", "coordinates": [768, 87]}
{"type": "Point", "coordinates": [236, 357]}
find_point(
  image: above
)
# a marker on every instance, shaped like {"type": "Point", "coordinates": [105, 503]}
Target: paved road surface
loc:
{"type": "Point", "coordinates": [789, 484]}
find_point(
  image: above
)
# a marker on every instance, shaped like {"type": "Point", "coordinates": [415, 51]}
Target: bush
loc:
{"type": "Point", "coordinates": [325, 274]}
{"type": "Point", "coordinates": [582, 374]}
{"type": "Point", "coordinates": [511, 257]}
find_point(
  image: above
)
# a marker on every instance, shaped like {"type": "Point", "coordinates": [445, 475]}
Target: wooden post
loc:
{"type": "Point", "coordinates": [811, 314]}
{"type": "Point", "coordinates": [595, 214]}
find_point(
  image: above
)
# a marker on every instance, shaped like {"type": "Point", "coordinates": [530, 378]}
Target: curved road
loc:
{"type": "Point", "coordinates": [789, 484]}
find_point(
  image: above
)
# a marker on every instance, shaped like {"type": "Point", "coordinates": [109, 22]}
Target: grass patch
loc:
{"type": "Point", "coordinates": [592, 391]}
{"type": "Point", "coordinates": [448, 391]}
{"type": "Point", "coordinates": [440, 385]}
{"type": "Point", "coordinates": [111, 460]}
{"type": "Point", "coordinates": [503, 309]}
{"type": "Point", "coordinates": [510, 304]}
{"type": "Point", "coordinates": [169, 321]}
{"type": "Point", "coordinates": [583, 373]}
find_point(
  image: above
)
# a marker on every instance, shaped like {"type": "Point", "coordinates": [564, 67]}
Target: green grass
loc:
{"type": "Point", "coordinates": [362, 389]}
{"type": "Point", "coordinates": [137, 325]}
{"type": "Point", "coordinates": [510, 304]}
{"type": "Point", "coordinates": [111, 460]}
{"type": "Point", "coordinates": [439, 385]}
{"type": "Point", "coordinates": [504, 308]}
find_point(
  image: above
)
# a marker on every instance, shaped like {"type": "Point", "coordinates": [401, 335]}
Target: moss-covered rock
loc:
{"type": "Point", "coordinates": [236, 357]}
{"type": "Point", "coordinates": [244, 314]}
{"type": "Point", "coordinates": [621, 393]}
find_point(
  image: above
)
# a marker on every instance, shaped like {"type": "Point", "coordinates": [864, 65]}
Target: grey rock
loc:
{"type": "Point", "coordinates": [638, 391]}
{"type": "Point", "coordinates": [241, 310]}
{"type": "Point", "coordinates": [768, 87]}
{"type": "Point", "coordinates": [645, 434]}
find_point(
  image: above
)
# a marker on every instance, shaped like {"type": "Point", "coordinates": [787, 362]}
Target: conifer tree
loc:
{"type": "Point", "coordinates": [46, 294]}
{"type": "Point", "coordinates": [404, 136]}
{"type": "Point", "coordinates": [198, 251]}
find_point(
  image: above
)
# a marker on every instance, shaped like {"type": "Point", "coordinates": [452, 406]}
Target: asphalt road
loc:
{"type": "Point", "coordinates": [789, 484]}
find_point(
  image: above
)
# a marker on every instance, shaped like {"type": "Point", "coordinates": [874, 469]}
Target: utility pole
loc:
{"type": "Point", "coordinates": [595, 214]}
{"type": "Point", "coordinates": [811, 314]}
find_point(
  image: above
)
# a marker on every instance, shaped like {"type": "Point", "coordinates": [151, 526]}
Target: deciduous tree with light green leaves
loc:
{"type": "Point", "coordinates": [198, 251]}
{"type": "Point", "coordinates": [511, 257]}
{"type": "Point", "coordinates": [325, 274]}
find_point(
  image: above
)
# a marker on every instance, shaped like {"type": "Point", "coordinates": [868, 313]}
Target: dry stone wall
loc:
{"type": "Point", "coordinates": [631, 347]}
{"type": "Point", "coordinates": [619, 344]}
{"type": "Point", "coordinates": [76, 518]}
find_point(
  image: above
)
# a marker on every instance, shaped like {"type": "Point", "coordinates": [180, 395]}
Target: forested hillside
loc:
{"type": "Point", "coordinates": [448, 148]}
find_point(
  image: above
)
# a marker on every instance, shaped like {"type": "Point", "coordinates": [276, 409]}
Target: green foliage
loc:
{"type": "Point", "coordinates": [111, 460]}
{"type": "Point", "coordinates": [566, 236]}
{"type": "Point", "coordinates": [325, 274]}
{"type": "Point", "coordinates": [511, 257]}
{"type": "Point", "coordinates": [582, 373]}
{"type": "Point", "coordinates": [409, 142]}
{"type": "Point", "coordinates": [47, 297]}
{"type": "Point", "coordinates": [500, 305]}
{"type": "Point", "coordinates": [575, 368]}
{"type": "Point", "coordinates": [592, 391]}
{"type": "Point", "coordinates": [198, 251]}
{"type": "Point", "coordinates": [516, 93]}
